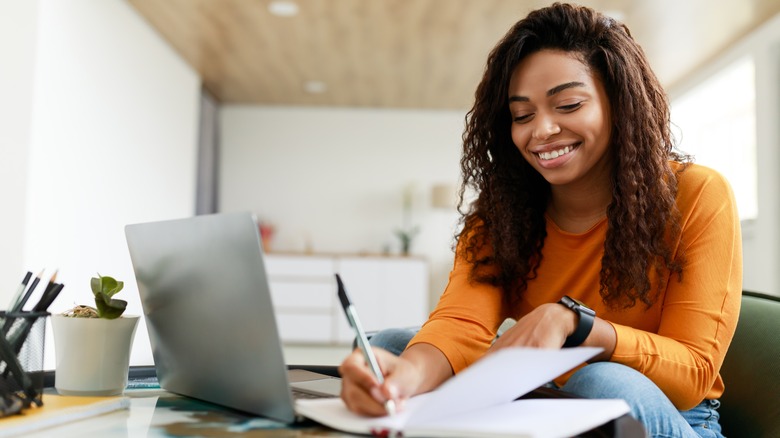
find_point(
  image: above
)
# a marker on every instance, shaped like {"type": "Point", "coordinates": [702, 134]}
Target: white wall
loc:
{"type": "Point", "coordinates": [112, 142]}
{"type": "Point", "coordinates": [18, 28]}
{"type": "Point", "coordinates": [760, 237]}
{"type": "Point", "coordinates": [331, 180]}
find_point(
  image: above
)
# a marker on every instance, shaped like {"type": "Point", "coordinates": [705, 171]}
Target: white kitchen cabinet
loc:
{"type": "Point", "coordinates": [387, 292]}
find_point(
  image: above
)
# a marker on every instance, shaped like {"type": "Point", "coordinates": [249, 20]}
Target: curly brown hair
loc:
{"type": "Point", "coordinates": [508, 214]}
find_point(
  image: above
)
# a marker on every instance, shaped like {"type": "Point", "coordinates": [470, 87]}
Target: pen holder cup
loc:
{"type": "Point", "coordinates": [21, 360]}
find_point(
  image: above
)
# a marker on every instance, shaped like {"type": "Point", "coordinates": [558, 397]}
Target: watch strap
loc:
{"type": "Point", "coordinates": [584, 324]}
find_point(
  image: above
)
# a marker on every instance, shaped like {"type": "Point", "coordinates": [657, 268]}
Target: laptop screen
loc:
{"type": "Point", "coordinates": [208, 310]}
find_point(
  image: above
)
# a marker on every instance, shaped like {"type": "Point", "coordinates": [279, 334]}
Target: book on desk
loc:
{"type": "Point", "coordinates": [482, 400]}
{"type": "Point", "coordinates": [57, 410]}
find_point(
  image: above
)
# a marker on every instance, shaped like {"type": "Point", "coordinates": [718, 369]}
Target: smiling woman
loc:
{"type": "Point", "coordinates": [588, 229]}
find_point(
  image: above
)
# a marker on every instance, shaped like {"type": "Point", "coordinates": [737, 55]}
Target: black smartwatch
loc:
{"type": "Point", "coordinates": [585, 324]}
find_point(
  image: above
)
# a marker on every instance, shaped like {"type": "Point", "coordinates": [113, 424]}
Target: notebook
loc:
{"type": "Point", "coordinates": [481, 401]}
{"type": "Point", "coordinates": [208, 310]}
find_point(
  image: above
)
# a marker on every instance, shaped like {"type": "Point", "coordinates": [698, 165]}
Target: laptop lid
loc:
{"type": "Point", "coordinates": [207, 304]}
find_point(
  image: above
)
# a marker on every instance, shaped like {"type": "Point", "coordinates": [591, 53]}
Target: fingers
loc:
{"type": "Point", "coordinates": [360, 389]}
{"type": "Point", "coordinates": [360, 401]}
{"type": "Point", "coordinates": [354, 368]}
{"type": "Point", "coordinates": [543, 327]}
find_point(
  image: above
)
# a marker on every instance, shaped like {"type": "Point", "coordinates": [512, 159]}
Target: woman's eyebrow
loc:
{"type": "Point", "coordinates": [558, 88]}
{"type": "Point", "coordinates": [518, 99]}
{"type": "Point", "coordinates": [551, 92]}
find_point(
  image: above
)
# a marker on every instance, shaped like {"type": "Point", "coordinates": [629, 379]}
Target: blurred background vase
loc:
{"type": "Point", "coordinates": [267, 232]}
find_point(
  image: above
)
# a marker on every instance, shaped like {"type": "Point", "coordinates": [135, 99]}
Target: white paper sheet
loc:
{"type": "Point", "coordinates": [478, 397]}
{"type": "Point", "coordinates": [499, 378]}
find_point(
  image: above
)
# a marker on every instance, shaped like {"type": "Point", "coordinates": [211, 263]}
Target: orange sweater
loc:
{"type": "Point", "coordinates": [679, 342]}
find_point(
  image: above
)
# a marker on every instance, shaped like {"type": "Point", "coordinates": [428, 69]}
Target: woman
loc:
{"type": "Point", "coordinates": [582, 199]}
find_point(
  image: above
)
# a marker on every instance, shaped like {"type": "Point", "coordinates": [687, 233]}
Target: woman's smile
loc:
{"type": "Point", "coordinates": [555, 156]}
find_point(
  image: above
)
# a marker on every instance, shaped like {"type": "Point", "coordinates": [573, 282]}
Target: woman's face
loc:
{"type": "Point", "coordinates": [560, 118]}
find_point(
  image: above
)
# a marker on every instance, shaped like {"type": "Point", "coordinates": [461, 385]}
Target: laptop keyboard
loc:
{"type": "Point", "coordinates": [299, 394]}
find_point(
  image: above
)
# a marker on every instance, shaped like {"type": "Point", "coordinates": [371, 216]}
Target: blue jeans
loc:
{"type": "Point", "coordinates": [393, 340]}
{"type": "Point", "coordinates": [612, 380]}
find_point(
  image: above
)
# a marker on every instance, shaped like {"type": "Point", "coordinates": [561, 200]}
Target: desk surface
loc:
{"type": "Point", "coordinates": [158, 413]}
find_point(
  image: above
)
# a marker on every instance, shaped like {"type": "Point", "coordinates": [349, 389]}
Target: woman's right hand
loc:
{"type": "Point", "coordinates": [361, 391]}
{"type": "Point", "coordinates": [421, 368]}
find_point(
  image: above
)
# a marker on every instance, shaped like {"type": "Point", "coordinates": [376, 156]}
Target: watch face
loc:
{"type": "Point", "coordinates": [576, 305]}
{"type": "Point", "coordinates": [568, 302]}
{"type": "Point", "coordinates": [579, 303]}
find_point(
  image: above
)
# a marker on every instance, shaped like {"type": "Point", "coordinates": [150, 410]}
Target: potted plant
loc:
{"type": "Point", "coordinates": [92, 344]}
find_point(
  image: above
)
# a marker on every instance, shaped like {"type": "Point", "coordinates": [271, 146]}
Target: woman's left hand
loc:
{"type": "Point", "coordinates": [547, 326]}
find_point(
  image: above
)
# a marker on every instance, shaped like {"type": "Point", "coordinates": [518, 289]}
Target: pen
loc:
{"type": "Point", "coordinates": [49, 296]}
{"type": "Point", "coordinates": [51, 284]}
{"type": "Point", "coordinates": [19, 291]}
{"type": "Point", "coordinates": [23, 301]}
{"type": "Point", "coordinates": [362, 341]}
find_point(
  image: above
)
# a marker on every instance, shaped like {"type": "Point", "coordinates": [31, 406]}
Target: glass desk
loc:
{"type": "Point", "coordinates": [154, 412]}
{"type": "Point", "coordinates": [157, 413]}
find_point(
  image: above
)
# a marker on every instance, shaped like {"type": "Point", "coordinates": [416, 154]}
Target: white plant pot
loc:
{"type": "Point", "coordinates": [93, 354]}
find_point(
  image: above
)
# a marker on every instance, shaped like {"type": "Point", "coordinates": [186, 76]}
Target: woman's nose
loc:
{"type": "Point", "coordinates": [545, 127]}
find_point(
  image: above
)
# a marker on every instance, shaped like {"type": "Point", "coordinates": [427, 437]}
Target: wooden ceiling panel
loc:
{"type": "Point", "coordinates": [426, 54]}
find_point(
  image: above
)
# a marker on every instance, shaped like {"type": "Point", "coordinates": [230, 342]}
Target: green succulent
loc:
{"type": "Point", "coordinates": [406, 236]}
{"type": "Point", "coordinates": [104, 288]}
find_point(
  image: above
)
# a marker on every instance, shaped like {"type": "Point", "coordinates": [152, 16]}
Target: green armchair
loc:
{"type": "Point", "coordinates": [750, 405]}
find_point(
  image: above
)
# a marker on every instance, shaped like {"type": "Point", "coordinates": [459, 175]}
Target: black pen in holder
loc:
{"type": "Point", "coordinates": [21, 360]}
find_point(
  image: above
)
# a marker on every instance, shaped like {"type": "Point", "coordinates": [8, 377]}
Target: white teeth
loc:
{"type": "Point", "coordinates": [554, 154]}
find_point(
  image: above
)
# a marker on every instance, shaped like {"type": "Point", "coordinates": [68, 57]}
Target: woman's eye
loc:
{"type": "Point", "coordinates": [570, 107]}
{"type": "Point", "coordinates": [522, 118]}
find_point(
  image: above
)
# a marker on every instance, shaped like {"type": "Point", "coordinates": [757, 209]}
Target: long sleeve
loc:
{"type": "Point", "coordinates": [466, 319]}
{"type": "Point", "coordinates": [699, 312]}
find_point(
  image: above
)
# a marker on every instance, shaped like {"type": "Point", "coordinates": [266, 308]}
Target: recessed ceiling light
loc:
{"type": "Point", "coordinates": [315, 87]}
{"type": "Point", "coordinates": [283, 8]}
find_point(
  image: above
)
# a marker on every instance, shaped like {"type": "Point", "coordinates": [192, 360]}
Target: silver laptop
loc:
{"type": "Point", "coordinates": [208, 310]}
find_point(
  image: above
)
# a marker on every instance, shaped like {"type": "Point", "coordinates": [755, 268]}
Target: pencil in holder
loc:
{"type": "Point", "coordinates": [21, 360]}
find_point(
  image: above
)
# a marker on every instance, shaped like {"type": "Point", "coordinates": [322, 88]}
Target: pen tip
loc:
{"type": "Point", "coordinates": [390, 407]}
